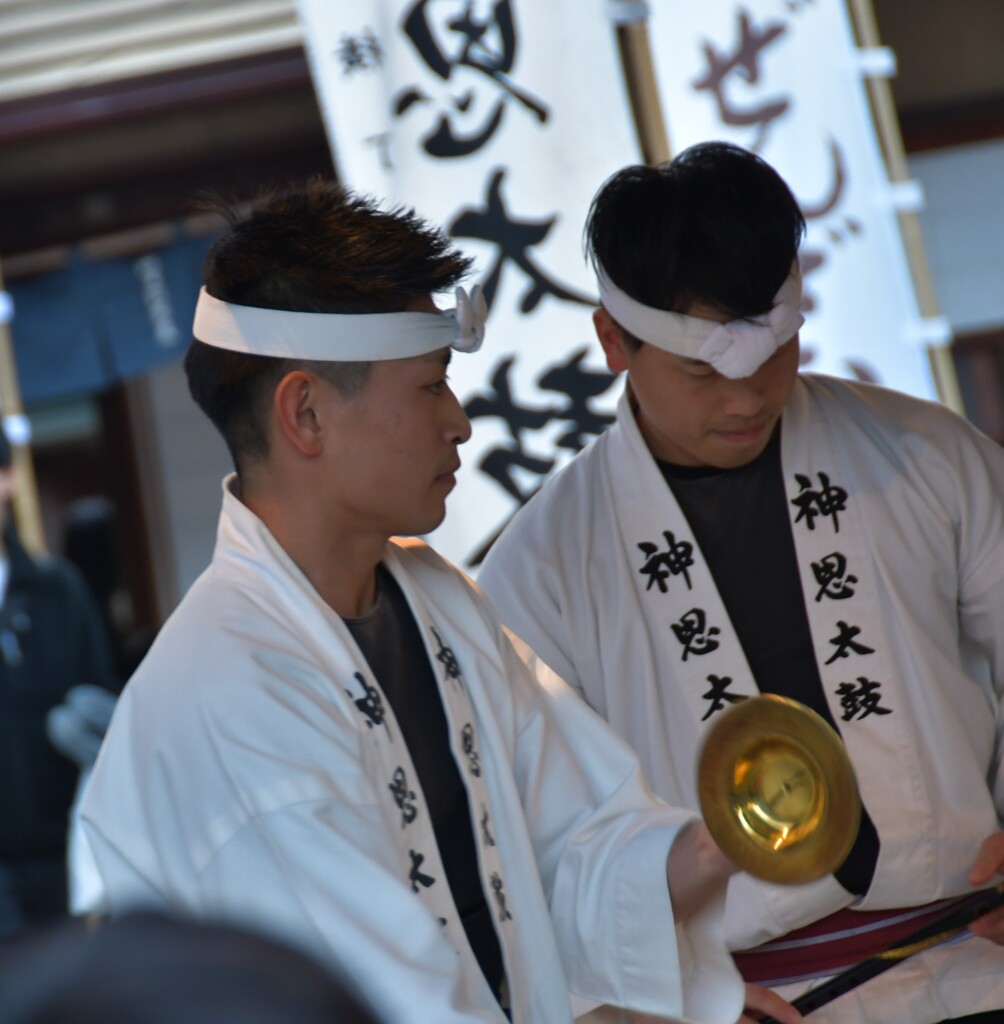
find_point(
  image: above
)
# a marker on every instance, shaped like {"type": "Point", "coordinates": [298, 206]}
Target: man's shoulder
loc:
{"type": "Point", "coordinates": [847, 390]}
{"type": "Point", "coordinates": [220, 623]}
{"type": "Point", "coordinates": [869, 404]}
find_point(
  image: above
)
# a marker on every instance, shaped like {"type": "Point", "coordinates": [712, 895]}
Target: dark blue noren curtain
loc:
{"type": "Point", "coordinates": [82, 328]}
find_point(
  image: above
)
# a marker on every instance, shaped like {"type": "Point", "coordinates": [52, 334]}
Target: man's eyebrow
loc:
{"type": "Point", "coordinates": [441, 357]}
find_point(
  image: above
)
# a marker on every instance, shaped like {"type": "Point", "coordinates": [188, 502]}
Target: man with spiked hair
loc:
{"type": "Point", "coordinates": [333, 737]}
{"type": "Point", "coordinates": [744, 528]}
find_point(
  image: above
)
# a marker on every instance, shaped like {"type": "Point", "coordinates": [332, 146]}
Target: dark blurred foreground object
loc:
{"type": "Point", "coordinates": [151, 969]}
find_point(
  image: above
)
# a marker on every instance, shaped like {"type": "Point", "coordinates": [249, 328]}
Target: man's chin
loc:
{"type": "Point", "coordinates": [421, 527]}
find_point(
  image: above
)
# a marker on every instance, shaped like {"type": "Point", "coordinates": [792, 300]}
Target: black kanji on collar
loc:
{"type": "Point", "coordinates": [845, 643]}
{"type": "Point", "coordinates": [416, 876]}
{"type": "Point", "coordinates": [693, 634]}
{"type": "Point", "coordinates": [497, 887]}
{"type": "Point", "coordinates": [660, 565]}
{"type": "Point", "coordinates": [861, 700]}
{"type": "Point", "coordinates": [718, 695]}
{"type": "Point", "coordinates": [486, 834]}
{"type": "Point", "coordinates": [470, 751]}
{"type": "Point", "coordinates": [833, 578]}
{"type": "Point", "coordinates": [370, 703]}
{"type": "Point", "coordinates": [403, 797]}
{"type": "Point", "coordinates": [446, 657]}
{"type": "Point", "coordinates": [826, 501]}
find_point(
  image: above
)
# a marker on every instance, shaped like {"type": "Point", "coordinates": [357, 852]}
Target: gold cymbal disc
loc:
{"type": "Point", "coordinates": [777, 790]}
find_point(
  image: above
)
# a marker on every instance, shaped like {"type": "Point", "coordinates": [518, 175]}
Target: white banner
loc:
{"type": "Point", "coordinates": [784, 78]}
{"type": "Point", "coordinates": [498, 121]}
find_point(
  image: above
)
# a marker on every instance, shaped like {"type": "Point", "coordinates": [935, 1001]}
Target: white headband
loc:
{"type": "Point", "coordinates": [735, 349]}
{"type": "Point", "coordinates": [340, 337]}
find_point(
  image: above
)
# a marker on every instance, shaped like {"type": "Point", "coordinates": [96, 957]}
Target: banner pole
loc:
{"type": "Point", "coordinates": [27, 515]}
{"type": "Point", "coordinates": [891, 141]}
{"type": "Point", "coordinates": [642, 88]}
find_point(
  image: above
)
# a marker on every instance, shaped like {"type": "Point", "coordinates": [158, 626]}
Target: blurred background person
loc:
{"type": "Point", "coordinates": [51, 640]}
{"type": "Point", "coordinates": [92, 542]}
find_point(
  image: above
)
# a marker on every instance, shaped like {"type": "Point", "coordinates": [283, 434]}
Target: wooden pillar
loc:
{"type": "Point", "coordinates": [26, 508]}
{"type": "Point", "coordinates": [891, 141]}
{"type": "Point", "coordinates": [643, 90]}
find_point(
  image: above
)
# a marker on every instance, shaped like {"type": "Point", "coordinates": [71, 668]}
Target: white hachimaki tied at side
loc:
{"type": "Point", "coordinates": [471, 314]}
{"type": "Point", "coordinates": [340, 337]}
{"type": "Point", "coordinates": [735, 349]}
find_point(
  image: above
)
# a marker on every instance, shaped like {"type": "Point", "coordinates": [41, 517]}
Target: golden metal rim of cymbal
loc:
{"type": "Point", "coordinates": [777, 790]}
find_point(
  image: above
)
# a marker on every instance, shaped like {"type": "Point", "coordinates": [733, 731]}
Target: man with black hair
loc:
{"type": "Point", "coordinates": [333, 737]}
{"type": "Point", "coordinates": [51, 641]}
{"type": "Point", "coordinates": [743, 528]}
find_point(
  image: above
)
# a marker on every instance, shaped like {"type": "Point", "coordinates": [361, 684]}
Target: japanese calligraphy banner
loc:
{"type": "Point", "coordinates": [498, 121]}
{"type": "Point", "coordinates": [784, 78]}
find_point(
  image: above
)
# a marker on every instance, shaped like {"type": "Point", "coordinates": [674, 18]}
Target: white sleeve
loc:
{"type": "Point", "coordinates": [979, 488]}
{"type": "Point", "coordinates": [601, 840]}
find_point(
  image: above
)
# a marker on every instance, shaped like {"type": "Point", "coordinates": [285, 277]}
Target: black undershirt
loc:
{"type": "Point", "coordinates": [392, 645]}
{"type": "Point", "coordinates": [740, 521]}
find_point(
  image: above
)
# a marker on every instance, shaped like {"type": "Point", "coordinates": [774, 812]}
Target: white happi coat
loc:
{"type": "Point", "coordinates": [897, 512]}
{"type": "Point", "coordinates": [254, 771]}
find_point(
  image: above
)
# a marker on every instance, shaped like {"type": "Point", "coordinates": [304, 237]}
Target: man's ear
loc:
{"type": "Point", "coordinates": [295, 403]}
{"type": "Point", "coordinates": [612, 339]}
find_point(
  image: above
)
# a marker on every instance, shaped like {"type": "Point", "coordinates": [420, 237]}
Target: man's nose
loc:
{"type": "Point", "coordinates": [744, 397]}
{"type": "Point", "coordinates": [458, 426]}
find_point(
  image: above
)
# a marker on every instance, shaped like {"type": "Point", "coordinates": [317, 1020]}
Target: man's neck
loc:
{"type": "Point", "coordinates": [339, 561]}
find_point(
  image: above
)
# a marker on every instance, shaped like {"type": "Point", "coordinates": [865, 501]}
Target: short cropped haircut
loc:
{"type": "Point", "coordinates": [318, 248]}
{"type": "Point", "coordinates": [716, 225]}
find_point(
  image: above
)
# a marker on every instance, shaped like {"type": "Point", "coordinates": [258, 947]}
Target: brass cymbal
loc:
{"type": "Point", "coordinates": [777, 790]}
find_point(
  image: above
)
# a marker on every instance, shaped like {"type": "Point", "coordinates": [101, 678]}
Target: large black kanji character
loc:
{"type": "Point", "coordinates": [499, 462]}
{"type": "Point", "coordinates": [845, 643]}
{"type": "Point", "coordinates": [693, 634]}
{"type": "Point", "coordinates": [827, 501]}
{"type": "Point", "coordinates": [445, 141]}
{"type": "Point", "coordinates": [569, 379]}
{"type": "Point", "coordinates": [660, 565]}
{"type": "Point", "coordinates": [513, 238]}
{"type": "Point", "coordinates": [486, 46]}
{"type": "Point", "coordinates": [861, 700]}
{"type": "Point", "coordinates": [578, 385]}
